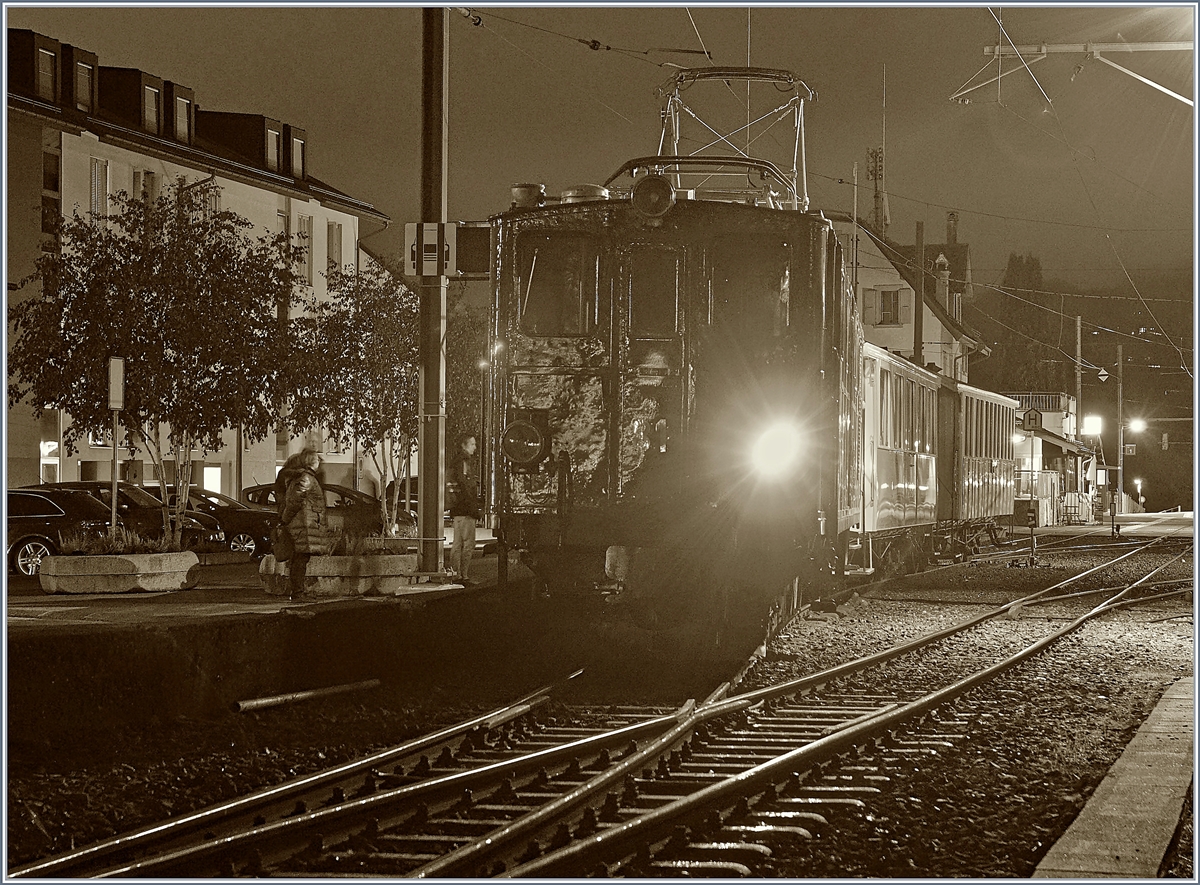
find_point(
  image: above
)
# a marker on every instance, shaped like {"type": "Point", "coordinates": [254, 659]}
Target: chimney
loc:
{"type": "Point", "coordinates": [942, 271]}
{"type": "Point", "coordinates": [951, 228]}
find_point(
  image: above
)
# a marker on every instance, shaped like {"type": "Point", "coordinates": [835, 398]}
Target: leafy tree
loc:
{"type": "Point", "coordinates": [355, 369]}
{"type": "Point", "coordinates": [191, 301]}
{"type": "Point", "coordinates": [1023, 356]}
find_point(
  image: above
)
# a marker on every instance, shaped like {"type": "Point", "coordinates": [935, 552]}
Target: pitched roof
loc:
{"type": "Point", "coordinates": [901, 258]}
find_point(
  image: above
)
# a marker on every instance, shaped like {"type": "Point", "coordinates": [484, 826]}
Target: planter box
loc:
{"type": "Point", "coordinates": [128, 573]}
{"type": "Point", "coordinates": [331, 576]}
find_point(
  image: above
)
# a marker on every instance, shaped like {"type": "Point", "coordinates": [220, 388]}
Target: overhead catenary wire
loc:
{"type": "Point", "coordinates": [1083, 181]}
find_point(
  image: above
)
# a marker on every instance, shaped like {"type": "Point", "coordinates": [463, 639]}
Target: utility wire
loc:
{"type": "Point", "coordinates": [1083, 182]}
{"type": "Point", "coordinates": [1119, 230]}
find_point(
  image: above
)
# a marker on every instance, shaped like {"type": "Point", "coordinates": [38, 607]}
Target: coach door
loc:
{"type": "Point", "coordinates": [652, 367]}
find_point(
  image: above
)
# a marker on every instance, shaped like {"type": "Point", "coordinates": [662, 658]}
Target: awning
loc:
{"type": "Point", "coordinates": [1067, 445]}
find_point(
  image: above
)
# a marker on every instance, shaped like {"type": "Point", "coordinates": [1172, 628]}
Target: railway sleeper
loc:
{"type": "Point", "coordinates": [703, 868]}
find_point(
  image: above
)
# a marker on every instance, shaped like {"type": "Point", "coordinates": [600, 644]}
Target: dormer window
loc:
{"type": "Point", "coordinates": [183, 113]}
{"type": "Point", "coordinates": [298, 157]}
{"type": "Point", "coordinates": [150, 109]}
{"type": "Point", "coordinates": [47, 75]}
{"type": "Point", "coordinates": [84, 77]}
{"type": "Point", "coordinates": [273, 149]}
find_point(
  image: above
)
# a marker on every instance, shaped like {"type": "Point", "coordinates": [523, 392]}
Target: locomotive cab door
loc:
{"type": "Point", "coordinates": [652, 376]}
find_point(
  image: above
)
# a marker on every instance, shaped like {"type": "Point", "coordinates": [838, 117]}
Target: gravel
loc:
{"type": "Point", "coordinates": [993, 808]}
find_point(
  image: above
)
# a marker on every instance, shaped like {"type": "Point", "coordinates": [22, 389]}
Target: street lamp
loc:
{"type": "Point", "coordinates": [1137, 425]}
{"type": "Point", "coordinates": [1138, 485]}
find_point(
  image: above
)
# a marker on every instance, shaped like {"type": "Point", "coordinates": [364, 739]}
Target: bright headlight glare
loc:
{"type": "Point", "coordinates": [776, 450]}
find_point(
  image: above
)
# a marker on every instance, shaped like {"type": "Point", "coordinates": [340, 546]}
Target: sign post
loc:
{"type": "Point", "coordinates": [116, 402]}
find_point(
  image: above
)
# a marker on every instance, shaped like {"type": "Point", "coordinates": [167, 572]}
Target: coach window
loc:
{"type": "Point", "coordinates": [558, 284]}
{"type": "Point", "coordinates": [653, 293]}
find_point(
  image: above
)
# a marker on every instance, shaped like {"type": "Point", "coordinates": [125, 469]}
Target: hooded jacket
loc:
{"type": "Point", "coordinates": [303, 511]}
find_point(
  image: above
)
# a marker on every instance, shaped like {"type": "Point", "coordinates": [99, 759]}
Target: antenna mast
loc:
{"type": "Point", "coordinates": [875, 171]}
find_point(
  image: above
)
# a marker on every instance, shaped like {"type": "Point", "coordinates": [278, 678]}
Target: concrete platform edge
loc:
{"type": "Point", "coordinates": [1119, 834]}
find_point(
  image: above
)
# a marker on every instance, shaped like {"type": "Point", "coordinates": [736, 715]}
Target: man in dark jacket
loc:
{"type": "Point", "coordinates": [464, 507]}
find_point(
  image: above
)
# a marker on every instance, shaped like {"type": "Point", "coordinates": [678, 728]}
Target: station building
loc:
{"type": "Point", "coordinates": [79, 131]}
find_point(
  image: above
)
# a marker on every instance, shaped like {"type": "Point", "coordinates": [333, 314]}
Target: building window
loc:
{"type": "Point", "coordinates": [50, 177]}
{"type": "Point", "coordinates": [333, 245]}
{"type": "Point", "coordinates": [183, 113]}
{"type": "Point", "coordinates": [150, 108]}
{"type": "Point", "coordinates": [83, 86]}
{"type": "Point", "coordinates": [47, 75]}
{"type": "Point", "coordinates": [273, 144]}
{"type": "Point", "coordinates": [298, 157]}
{"type": "Point", "coordinates": [889, 308]}
{"type": "Point", "coordinates": [145, 185]}
{"type": "Point", "coordinates": [305, 235]}
{"type": "Point", "coordinates": [50, 216]}
{"type": "Point", "coordinates": [99, 201]}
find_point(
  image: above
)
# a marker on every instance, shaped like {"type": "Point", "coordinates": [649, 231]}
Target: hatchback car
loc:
{"type": "Point", "coordinates": [142, 512]}
{"type": "Point", "coordinates": [38, 520]}
{"type": "Point", "coordinates": [247, 529]}
{"type": "Point", "coordinates": [355, 511]}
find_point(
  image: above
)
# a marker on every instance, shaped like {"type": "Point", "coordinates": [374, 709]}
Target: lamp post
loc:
{"type": "Point", "coordinates": [1120, 501]}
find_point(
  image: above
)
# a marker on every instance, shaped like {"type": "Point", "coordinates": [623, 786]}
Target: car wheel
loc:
{"type": "Point", "coordinates": [241, 542]}
{"type": "Point", "coordinates": [28, 556]}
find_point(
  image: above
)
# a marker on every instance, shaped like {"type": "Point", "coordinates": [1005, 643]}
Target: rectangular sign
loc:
{"type": "Point", "coordinates": [116, 383]}
{"type": "Point", "coordinates": [430, 249]}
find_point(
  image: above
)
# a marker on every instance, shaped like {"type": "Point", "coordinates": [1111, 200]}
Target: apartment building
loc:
{"type": "Point", "coordinates": [79, 131]}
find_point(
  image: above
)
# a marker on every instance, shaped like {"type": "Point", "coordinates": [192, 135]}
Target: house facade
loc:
{"type": "Point", "coordinates": [78, 132]}
{"type": "Point", "coordinates": [890, 286]}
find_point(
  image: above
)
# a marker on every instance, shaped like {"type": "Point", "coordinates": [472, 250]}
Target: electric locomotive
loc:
{"type": "Point", "coordinates": [675, 399]}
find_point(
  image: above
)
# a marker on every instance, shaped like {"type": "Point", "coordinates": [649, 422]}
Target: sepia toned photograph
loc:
{"type": "Point", "coordinates": [600, 442]}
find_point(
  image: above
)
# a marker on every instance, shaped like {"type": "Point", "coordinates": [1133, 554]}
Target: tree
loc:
{"type": "Point", "coordinates": [355, 369]}
{"type": "Point", "coordinates": [1023, 357]}
{"type": "Point", "coordinates": [191, 301]}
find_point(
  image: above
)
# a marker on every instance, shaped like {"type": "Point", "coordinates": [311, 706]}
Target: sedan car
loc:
{"type": "Point", "coordinates": [39, 518]}
{"type": "Point", "coordinates": [355, 511]}
{"type": "Point", "coordinates": [142, 512]}
{"type": "Point", "coordinates": [247, 529]}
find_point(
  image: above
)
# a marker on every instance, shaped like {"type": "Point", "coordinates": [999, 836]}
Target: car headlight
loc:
{"type": "Point", "coordinates": [776, 450]}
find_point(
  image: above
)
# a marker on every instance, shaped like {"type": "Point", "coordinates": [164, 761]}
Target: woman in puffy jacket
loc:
{"type": "Point", "coordinates": [303, 515]}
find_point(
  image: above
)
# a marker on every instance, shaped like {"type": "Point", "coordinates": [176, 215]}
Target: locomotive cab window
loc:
{"type": "Point", "coordinates": [558, 286]}
{"type": "Point", "coordinates": [653, 293]}
{"type": "Point", "coordinates": [751, 285]}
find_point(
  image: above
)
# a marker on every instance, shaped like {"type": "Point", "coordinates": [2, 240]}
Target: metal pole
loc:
{"type": "Point", "coordinates": [113, 527]}
{"type": "Point", "coordinates": [431, 440]}
{"type": "Point", "coordinates": [1079, 374]}
{"type": "Point", "coordinates": [1120, 504]}
{"type": "Point", "coordinates": [919, 307]}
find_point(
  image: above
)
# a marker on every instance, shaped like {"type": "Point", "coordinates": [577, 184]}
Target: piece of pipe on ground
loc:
{"type": "Point", "coordinates": [295, 696]}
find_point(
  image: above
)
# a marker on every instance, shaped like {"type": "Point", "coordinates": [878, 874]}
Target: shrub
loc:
{"type": "Point", "coordinates": [122, 541]}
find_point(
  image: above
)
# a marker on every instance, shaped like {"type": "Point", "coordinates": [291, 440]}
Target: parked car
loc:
{"type": "Point", "coordinates": [355, 511]}
{"type": "Point", "coordinates": [38, 520]}
{"type": "Point", "coordinates": [142, 512]}
{"type": "Point", "coordinates": [247, 529]}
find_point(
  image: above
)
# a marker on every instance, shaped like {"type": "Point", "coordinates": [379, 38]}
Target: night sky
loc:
{"type": "Point", "coordinates": [1077, 163]}
{"type": "Point", "coordinates": [1106, 169]}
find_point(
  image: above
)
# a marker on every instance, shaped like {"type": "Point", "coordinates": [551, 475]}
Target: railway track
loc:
{"type": "Point", "coordinates": [702, 790]}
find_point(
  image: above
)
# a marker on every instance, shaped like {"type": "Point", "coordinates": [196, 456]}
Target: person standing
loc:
{"type": "Point", "coordinates": [464, 508]}
{"type": "Point", "coordinates": [303, 516]}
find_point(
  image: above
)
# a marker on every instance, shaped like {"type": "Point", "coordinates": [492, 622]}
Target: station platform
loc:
{"type": "Point", "coordinates": [1126, 827]}
{"type": "Point", "coordinates": [102, 660]}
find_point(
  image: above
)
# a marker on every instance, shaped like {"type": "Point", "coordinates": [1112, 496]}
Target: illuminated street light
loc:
{"type": "Point", "coordinates": [1091, 425]}
{"type": "Point", "coordinates": [1137, 425]}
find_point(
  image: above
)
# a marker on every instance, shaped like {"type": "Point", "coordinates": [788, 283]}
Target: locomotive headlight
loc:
{"type": "Point", "coordinates": [522, 442]}
{"type": "Point", "coordinates": [777, 450]}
